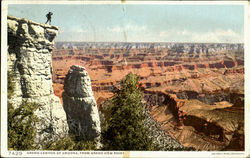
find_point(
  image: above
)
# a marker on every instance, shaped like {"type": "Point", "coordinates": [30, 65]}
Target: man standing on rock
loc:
{"type": "Point", "coordinates": [49, 17]}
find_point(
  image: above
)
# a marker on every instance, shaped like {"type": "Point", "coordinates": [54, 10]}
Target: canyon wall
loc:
{"type": "Point", "coordinates": [199, 125]}
{"type": "Point", "coordinates": [186, 85]}
{"type": "Point", "coordinates": [30, 47]}
{"type": "Point", "coordinates": [170, 67]}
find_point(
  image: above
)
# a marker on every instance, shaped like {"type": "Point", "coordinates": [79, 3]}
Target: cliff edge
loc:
{"type": "Point", "coordinates": [30, 47]}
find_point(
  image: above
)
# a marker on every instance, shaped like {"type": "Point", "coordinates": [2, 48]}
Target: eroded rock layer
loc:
{"type": "Point", "coordinates": [191, 75]}
{"type": "Point", "coordinates": [80, 105]}
{"type": "Point", "coordinates": [171, 67]}
{"type": "Point", "coordinates": [30, 47]}
{"type": "Point", "coordinates": [199, 125]}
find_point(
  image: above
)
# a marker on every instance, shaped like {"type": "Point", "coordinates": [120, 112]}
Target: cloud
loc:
{"type": "Point", "coordinates": [143, 33]}
{"type": "Point", "coordinates": [218, 35]}
{"type": "Point", "coordinates": [80, 30]}
{"type": "Point", "coordinates": [74, 29]}
{"type": "Point", "coordinates": [128, 27]}
{"type": "Point", "coordinates": [115, 29]}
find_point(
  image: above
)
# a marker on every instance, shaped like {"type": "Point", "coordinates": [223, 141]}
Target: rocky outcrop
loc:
{"type": "Point", "coordinates": [160, 137]}
{"type": "Point", "coordinates": [175, 67]}
{"type": "Point", "coordinates": [210, 98]}
{"type": "Point", "coordinates": [209, 73]}
{"type": "Point", "coordinates": [80, 105]}
{"type": "Point", "coordinates": [30, 47]}
{"type": "Point", "coordinates": [197, 124]}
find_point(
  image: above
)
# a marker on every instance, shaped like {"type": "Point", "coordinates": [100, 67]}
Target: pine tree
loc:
{"type": "Point", "coordinates": [125, 127]}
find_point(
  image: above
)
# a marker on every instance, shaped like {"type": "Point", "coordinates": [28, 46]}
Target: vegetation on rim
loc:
{"type": "Point", "coordinates": [124, 126]}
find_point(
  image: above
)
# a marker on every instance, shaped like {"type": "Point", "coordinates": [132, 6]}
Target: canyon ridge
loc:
{"type": "Point", "coordinates": [195, 91]}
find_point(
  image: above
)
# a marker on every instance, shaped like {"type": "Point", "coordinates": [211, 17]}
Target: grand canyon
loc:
{"type": "Point", "coordinates": [195, 91]}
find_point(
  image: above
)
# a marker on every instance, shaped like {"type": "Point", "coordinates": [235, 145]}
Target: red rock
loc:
{"type": "Point", "coordinates": [164, 71]}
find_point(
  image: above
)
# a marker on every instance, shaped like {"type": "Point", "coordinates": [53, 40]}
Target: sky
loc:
{"type": "Point", "coordinates": [140, 23]}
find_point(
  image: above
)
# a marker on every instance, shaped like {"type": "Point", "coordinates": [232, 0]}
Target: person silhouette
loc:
{"type": "Point", "coordinates": [49, 17]}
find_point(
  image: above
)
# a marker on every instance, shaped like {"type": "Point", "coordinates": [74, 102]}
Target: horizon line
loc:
{"type": "Point", "coordinates": [150, 42]}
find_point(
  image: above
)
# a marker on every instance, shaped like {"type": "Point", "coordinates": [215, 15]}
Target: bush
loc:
{"type": "Point", "coordinates": [21, 131]}
{"type": "Point", "coordinates": [70, 143]}
{"type": "Point", "coordinates": [10, 84]}
{"type": "Point", "coordinates": [124, 126]}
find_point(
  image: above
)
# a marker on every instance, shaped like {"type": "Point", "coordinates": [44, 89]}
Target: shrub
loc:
{"type": "Point", "coordinates": [70, 143]}
{"type": "Point", "coordinates": [124, 126]}
{"type": "Point", "coordinates": [21, 131]}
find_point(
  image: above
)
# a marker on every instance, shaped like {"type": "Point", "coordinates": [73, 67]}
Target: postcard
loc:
{"type": "Point", "coordinates": [125, 79]}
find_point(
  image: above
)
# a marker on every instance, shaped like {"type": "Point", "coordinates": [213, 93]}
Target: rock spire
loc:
{"type": "Point", "coordinates": [80, 105]}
